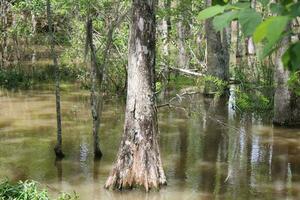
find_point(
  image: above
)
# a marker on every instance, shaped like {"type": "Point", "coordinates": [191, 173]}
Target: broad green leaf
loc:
{"type": "Point", "coordinates": [249, 20]}
{"type": "Point", "coordinates": [271, 29]}
{"type": "Point", "coordinates": [267, 50]}
{"type": "Point", "coordinates": [237, 6]}
{"type": "Point", "coordinates": [222, 21]}
{"type": "Point", "coordinates": [211, 12]}
{"type": "Point", "coordinates": [270, 32]}
{"type": "Point", "coordinates": [291, 58]}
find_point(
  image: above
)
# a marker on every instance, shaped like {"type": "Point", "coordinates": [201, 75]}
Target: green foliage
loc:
{"type": "Point", "coordinates": [294, 83]}
{"type": "Point", "coordinates": [222, 21]}
{"type": "Point", "coordinates": [268, 31]}
{"type": "Point", "coordinates": [211, 12]}
{"type": "Point", "coordinates": [255, 91]}
{"type": "Point", "coordinates": [291, 58]}
{"type": "Point", "coordinates": [217, 85]}
{"type": "Point", "coordinates": [22, 77]}
{"type": "Point", "coordinates": [249, 20]}
{"type": "Point", "coordinates": [178, 82]}
{"type": "Point", "coordinates": [27, 190]}
{"type": "Point", "coordinates": [252, 101]}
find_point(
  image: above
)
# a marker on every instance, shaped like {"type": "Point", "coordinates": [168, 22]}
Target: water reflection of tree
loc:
{"type": "Point", "coordinates": [214, 146]}
{"type": "Point", "coordinates": [180, 168]}
{"type": "Point", "coordinates": [239, 153]}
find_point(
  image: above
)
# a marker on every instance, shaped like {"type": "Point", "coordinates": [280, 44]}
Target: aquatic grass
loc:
{"type": "Point", "coordinates": [27, 190]}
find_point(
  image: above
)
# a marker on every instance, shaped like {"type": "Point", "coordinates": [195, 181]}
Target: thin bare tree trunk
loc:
{"type": "Point", "coordinates": [4, 24]}
{"type": "Point", "coordinates": [138, 161]}
{"type": "Point", "coordinates": [226, 39]}
{"type": "Point", "coordinates": [239, 47]}
{"type": "Point", "coordinates": [249, 41]}
{"type": "Point", "coordinates": [17, 55]}
{"type": "Point", "coordinates": [164, 28]}
{"type": "Point", "coordinates": [183, 29]}
{"type": "Point", "coordinates": [96, 94]}
{"type": "Point", "coordinates": [58, 147]}
{"type": "Point", "coordinates": [253, 72]}
{"type": "Point", "coordinates": [33, 23]}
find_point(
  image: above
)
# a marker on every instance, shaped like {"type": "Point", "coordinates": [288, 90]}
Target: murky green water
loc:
{"type": "Point", "coordinates": [208, 151]}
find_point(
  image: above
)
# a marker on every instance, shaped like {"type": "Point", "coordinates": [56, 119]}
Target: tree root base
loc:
{"type": "Point", "coordinates": [59, 154]}
{"type": "Point", "coordinates": [147, 187]}
{"type": "Point", "coordinates": [98, 154]}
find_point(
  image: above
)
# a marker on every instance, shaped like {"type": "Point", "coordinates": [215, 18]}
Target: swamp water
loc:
{"type": "Point", "coordinates": [208, 151]}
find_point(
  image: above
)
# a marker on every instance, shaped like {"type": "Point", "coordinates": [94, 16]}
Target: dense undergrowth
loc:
{"type": "Point", "coordinates": [28, 190]}
{"type": "Point", "coordinates": [255, 91]}
{"type": "Point", "coordinates": [250, 96]}
{"type": "Point", "coordinates": [25, 78]}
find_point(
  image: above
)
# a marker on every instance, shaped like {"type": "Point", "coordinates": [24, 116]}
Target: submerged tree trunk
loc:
{"type": "Point", "coordinates": [286, 103]}
{"type": "Point", "coordinates": [216, 57]}
{"type": "Point", "coordinates": [139, 162]}
{"type": "Point", "coordinates": [96, 94]}
{"type": "Point", "coordinates": [58, 147]}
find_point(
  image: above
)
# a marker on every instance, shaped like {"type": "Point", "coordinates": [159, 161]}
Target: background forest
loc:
{"type": "Point", "coordinates": [227, 69]}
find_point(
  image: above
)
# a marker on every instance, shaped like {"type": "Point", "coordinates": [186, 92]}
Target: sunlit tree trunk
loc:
{"type": "Point", "coordinates": [164, 28]}
{"type": "Point", "coordinates": [15, 40]}
{"type": "Point", "coordinates": [183, 30]}
{"type": "Point", "coordinates": [216, 58]}
{"type": "Point", "coordinates": [33, 30]}
{"type": "Point", "coordinates": [138, 161]}
{"type": "Point", "coordinates": [96, 94]}
{"type": "Point", "coordinates": [226, 40]}
{"type": "Point", "coordinates": [239, 46]}
{"type": "Point", "coordinates": [58, 147]}
{"type": "Point", "coordinates": [249, 41]}
{"type": "Point", "coordinates": [252, 71]}
{"type": "Point", "coordinates": [286, 103]}
{"type": "Point", "coordinates": [4, 24]}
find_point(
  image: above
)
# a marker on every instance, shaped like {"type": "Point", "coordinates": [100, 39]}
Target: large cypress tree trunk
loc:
{"type": "Point", "coordinates": [216, 57]}
{"type": "Point", "coordinates": [286, 103]}
{"type": "Point", "coordinates": [138, 161]}
{"type": "Point", "coordinates": [58, 147]}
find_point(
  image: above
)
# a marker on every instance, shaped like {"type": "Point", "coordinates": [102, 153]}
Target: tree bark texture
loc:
{"type": "Point", "coordinates": [183, 32]}
{"type": "Point", "coordinates": [217, 54]}
{"type": "Point", "coordinates": [58, 147]}
{"type": "Point", "coordinates": [138, 161]}
{"type": "Point", "coordinates": [164, 29]}
{"type": "Point", "coordinates": [286, 103]}
{"type": "Point", "coordinates": [33, 29]}
{"type": "Point", "coordinates": [4, 40]}
{"type": "Point", "coordinates": [96, 94]}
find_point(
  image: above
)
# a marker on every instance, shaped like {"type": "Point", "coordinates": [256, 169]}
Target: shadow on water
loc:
{"type": "Point", "coordinates": [208, 150]}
